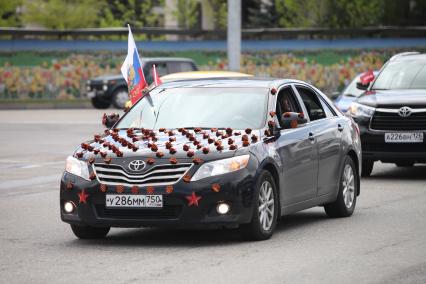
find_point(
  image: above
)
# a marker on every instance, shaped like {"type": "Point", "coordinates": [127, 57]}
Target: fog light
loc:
{"type": "Point", "coordinates": [69, 207]}
{"type": "Point", "coordinates": [105, 87]}
{"type": "Point", "coordinates": [222, 208]}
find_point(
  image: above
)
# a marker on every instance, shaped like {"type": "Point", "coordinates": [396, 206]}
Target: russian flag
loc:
{"type": "Point", "coordinates": [132, 71]}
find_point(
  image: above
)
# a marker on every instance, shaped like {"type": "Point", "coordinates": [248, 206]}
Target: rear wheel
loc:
{"type": "Point", "coordinates": [345, 203]}
{"type": "Point", "coordinates": [265, 210]}
{"type": "Point", "coordinates": [406, 164]}
{"type": "Point", "coordinates": [367, 167]}
{"type": "Point", "coordinates": [120, 98]}
{"type": "Point", "coordinates": [88, 232]}
{"type": "Point", "coordinates": [100, 104]}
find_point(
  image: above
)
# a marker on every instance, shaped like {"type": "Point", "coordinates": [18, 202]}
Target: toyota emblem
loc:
{"type": "Point", "coordinates": [404, 111]}
{"type": "Point", "coordinates": [137, 165]}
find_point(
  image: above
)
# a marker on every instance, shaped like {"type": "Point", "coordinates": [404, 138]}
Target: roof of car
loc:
{"type": "Point", "coordinates": [243, 82]}
{"type": "Point", "coordinates": [409, 56]}
{"type": "Point", "coordinates": [201, 75]}
{"type": "Point", "coordinates": [148, 59]}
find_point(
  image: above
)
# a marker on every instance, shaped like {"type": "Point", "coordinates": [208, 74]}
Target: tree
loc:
{"type": "Point", "coordinates": [188, 13]}
{"type": "Point", "coordinates": [9, 16]}
{"type": "Point", "coordinates": [220, 13]}
{"type": "Point", "coordinates": [57, 14]}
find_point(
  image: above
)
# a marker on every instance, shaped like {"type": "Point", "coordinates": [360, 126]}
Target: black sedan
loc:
{"type": "Point", "coordinates": [215, 152]}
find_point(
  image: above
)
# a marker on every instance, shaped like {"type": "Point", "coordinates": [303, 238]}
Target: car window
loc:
{"type": "Point", "coordinates": [328, 111]}
{"type": "Point", "coordinates": [286, 102]}
{"type": "Point", "coordinates": [161, 70]}
{"type": "Point", "coordinates": [177, 66]}
{"type": "Point", "coordinates": [312, 103]}
{"type": "Point", "coordinates": [402, 75]}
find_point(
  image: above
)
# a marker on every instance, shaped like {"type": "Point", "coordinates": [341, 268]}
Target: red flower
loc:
{"type": "Point", "coordinates": [217, 143]}
{"type": "Point", "coordinates": [85, 146]}
{"type": "Point", "coordinates": [237, 133]}
{"type": "Point", "coordinates": [210, 140]}
{"type": "Point", "coordinates": [229, 131]}
{"type": "Point", "coordinates": [107, 160]}
{"type": "Point", "coordinates": [97, 137]}
{"type": "Point", "coordinates": [230, 141]}
{"type": "Point", "coordinates": [205, 136]}
{"type": "Point", "coordinates": [197, 129]}
{"type": "Point", "coordinates": [168, 145]}
{"type": "Point", "coordinates": [190, 153]}
{"type": "Point", "coordinates": [185, 147]}
{"type": "Point", "coordinates": [103, 188]}
{"type": "Point", "coordinates": [287, 114]}
{"type": "Point", "coordinates": [162, 129]}
{"type": "Point", "coordinates": [150, 161]}
{"type": "Point", "coordinates": [268, 132]}
{"type": "Point", "coordinates": [271, 123]}
{"type": "Point", "coordinates": [103, 154]}
{"type": "Point", "coordinates": [216, 187]}
{"type": "Point", "coordinates": [119, 188]}
{"type": "Point", "coordinates": [154, 148]}
{"type": "Point", "coordinates": [96, 151]}
{"type": "Point", "coordinates": [199, 146]}
{"type": "Point", "coordinates": [172, 151]}
{"type": "Point", "coordinates": [186, 178]}
{"type": "Point", "coordinates": [173, 161]}
{"type": "Point", "coordinates": [244, 137]}
{"type": "Point", "coordinates": [197, 161]}
{"type": "Point", "coordinates": [233, 147]}
{"type": "Point", "coordinates": [213, 129]}
{"type": "Point", "coordinates": [79, 154]}
{"type": "Point", "coordinates": [170, 133]}
{"type": "Point", "coordinates": [135, 148]}
{"type": "Point", "coordinates": [119, 153]}
{"type": "Point", "coordinates": [150, 190]}
{"type": "Point", "coordinates": [159, 154]}
{"type": "Point", "coordinates": [246, 143]}
{"type": "Point", "coordinates": [272, 113]}
{"type": "Point", "coordinates": [219, 148]}
{"type": "Point", "coordinates": [254, 138]}
{"type": "Point", "coordinates": [196, 142]}
{"type": "Point", "coordinates": [171, 139]}
{"type": "Point", "coordinates": [206, 150]}
{"type": "Point", "coordinates": [91, 160]}
{"type": "Point", "coordinates": [248, 130]}
{"type": "Point", "coordinates": [135, 189]}
{"type": "Point", "coordinates": [169, 189]}
{"type": "Point", "coordinates": [224, 136]}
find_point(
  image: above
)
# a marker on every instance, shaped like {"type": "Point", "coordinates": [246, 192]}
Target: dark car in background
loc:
{"type": "Point", "coordinates": [391, 113]}
{"type": "Point", "coordinates": [350, 93]}
{"type": "Point", "coordinates": [218, 153]}
{"type": "Point", "coordinates": [112, 89]}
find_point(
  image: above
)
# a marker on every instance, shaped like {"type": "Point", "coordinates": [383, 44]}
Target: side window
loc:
{"type": "Point", "coordinates": [328, 111]}
{"type": "Point", "coordinates": [161, 70]}
{"type": "Point", "coordinates": [286, 102]}
{"type": "Point", "coordinates": [176, 66]}
{"type": "Point", "coordinates": [312, 103]}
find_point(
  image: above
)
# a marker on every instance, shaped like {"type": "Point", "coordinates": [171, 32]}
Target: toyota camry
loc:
{"type": "Point", "coordinates": [214, 153]}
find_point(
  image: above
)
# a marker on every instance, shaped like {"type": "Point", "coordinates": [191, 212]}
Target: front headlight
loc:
{"type": "Point", "coordinates": [357, 109]}
{"type": "Point", "coordinates": [77, 167]}
{"type": "Point", "coordinates": [220, 167]}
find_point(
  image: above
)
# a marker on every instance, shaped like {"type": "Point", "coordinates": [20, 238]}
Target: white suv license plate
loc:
{"type": "Point", "coordinates": [133, 201]}
{"type": "Point", "coordinates": [404, 137]}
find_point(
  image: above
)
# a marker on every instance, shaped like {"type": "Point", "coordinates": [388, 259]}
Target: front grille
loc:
{"type": "Point", "coordinates": [156, 176]}
{"type": "Point", "coordinates": [393, 121]}
{"type": "Point", "coordinates": [167, 212]}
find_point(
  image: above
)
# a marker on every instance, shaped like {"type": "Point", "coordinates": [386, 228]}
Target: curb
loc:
{"type": "Point", "coordinates": [43, 105]}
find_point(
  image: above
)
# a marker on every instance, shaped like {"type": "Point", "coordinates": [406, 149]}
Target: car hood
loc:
{"type": "Point", "coordinates": [108, 77]}
{"type": "Point", "coordinates": [344, 102]}
{"type": "Point", "coordinates": [114, 146]}
{"type": "Point", "coordinates": [393, 98]}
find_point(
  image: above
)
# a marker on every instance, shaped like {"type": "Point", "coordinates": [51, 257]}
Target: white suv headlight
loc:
{"type": "Point", "coordinates": [220, 167]}
{"type": "Point", "coordinates": [357, 109]}
{"type": "Point", "coordinates": [77, 167]}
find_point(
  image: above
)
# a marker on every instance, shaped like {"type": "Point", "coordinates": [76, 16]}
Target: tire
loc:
{"type": "Point", "coordinates": [261, 229]}
{"type": "Point", "coordinates": [345, 203]}
{"type": "Point", "coordinates": [88, 232]}
{"type": "Point", "coordinates": [120, 97]}
{"type": "Point", "coordinates": [100, 104]}
{"type": "Point", "coordinates": [367, 168]}
{"type": "Point", "coordinates": [404, 164]}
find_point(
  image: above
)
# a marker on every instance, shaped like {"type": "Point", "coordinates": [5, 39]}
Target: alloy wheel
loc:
{"type": "Point", "coordinates": [266, 205]}
{"type": "Point", "coordinates": [348, 183]}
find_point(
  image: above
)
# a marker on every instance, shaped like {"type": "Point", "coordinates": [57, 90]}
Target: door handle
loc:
{"type": "Point", "coordinates": [311, 136]}
{"type": "Point", "coordinates": [339, 127]}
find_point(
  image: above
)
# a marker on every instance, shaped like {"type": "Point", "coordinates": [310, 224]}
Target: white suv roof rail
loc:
{"type": "Point", "coordinates": [404, 54]}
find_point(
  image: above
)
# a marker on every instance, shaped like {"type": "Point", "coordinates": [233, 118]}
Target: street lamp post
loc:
{"type": "Point", "coordinates": [234, 34]}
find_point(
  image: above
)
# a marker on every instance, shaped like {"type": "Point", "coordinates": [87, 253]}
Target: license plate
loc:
{"type": "Point", "coordinates": [91, 95]}
{"type": "Point", "coordinates": [416, 137]}
{"type": "Point", "coordinates": [138, 201]}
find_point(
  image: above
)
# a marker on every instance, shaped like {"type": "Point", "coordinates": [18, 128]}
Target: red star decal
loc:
{"type": "Point", "coordinates": [193, 199]}
{"type": "Point", "coordinates": [83, 196]}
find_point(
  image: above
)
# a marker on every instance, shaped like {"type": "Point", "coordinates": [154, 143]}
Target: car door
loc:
{"type": "Point", "coordinates": [298, 154]}
{"type": "Point", "coordinates": [327, 132]}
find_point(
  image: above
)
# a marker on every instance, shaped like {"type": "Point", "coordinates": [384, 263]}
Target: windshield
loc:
{"type": "Point", "coordinates": [402, 75]}
{"type": "Point", "coordinates": [352, 90]}
{"type": "Point", "coordinates": [237, 108]}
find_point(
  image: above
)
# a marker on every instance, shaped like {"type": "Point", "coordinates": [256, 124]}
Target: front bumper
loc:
{"type": "Point", "coordinates": [236, 189]}
{"type": "Point", "coordinates": [375, 148]}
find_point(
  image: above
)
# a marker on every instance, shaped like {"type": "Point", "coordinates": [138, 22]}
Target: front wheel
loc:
{"type": "Point", "coordinates": [344, 205]}
{"type": "Point", "coordinates": [120, 98]}
{"type": "Point", "coordinates": [100, 104]}
{"type": "Point", "coordinates": [88, 232]}
{"type": "Point", "coordinates": [265, 209]}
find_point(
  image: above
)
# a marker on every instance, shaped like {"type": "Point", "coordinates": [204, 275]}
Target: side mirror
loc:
{"type": "Point", "coordinates": [293, 120]}
{"type": "Point", "coordinates": [110, 120]}
{"type": "Point", "coordinates": [365, 79]}
{"type": "Point", "coordinates": [361, 86]}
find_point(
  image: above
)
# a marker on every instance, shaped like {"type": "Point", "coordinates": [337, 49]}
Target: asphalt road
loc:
{"type": "Point", "coordinates": [383, 242]}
